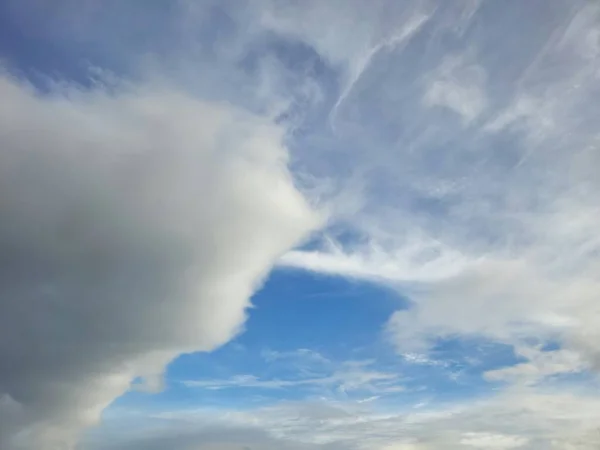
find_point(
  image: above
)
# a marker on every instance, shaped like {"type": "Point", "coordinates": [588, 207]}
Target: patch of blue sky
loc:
{"type": "Point", "coordinates": [301, 327]}
{"type": "Point", "coordinates": [304, 310]}
{"type": "Point", "coordinates": [63, 46]}
{"type": "Point", "coordinates": [311, 337]}
{"type": "Point", "coordinates": [43, 61]}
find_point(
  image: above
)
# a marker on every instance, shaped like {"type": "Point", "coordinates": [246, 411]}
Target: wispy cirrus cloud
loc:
{"type": "Point", "coordinates": [483, 151]}
{"type": "Point", "coordinates": [317, 374]}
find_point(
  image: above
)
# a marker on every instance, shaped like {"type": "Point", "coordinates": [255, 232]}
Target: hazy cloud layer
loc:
{"type": "Point", "coordinates": [519, 418]}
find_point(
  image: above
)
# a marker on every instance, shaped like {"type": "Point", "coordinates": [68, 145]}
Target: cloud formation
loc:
{"type": "Point", "coordinates": [458, 163]}
{"type": "Point", "coordinates": [136, 225]}
{"type": "Point", "coordinates": [520, 418]}
{"type": "Point", "coordinates": [477, 199]}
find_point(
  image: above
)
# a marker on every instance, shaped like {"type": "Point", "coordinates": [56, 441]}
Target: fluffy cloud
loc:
{"type": "Point", "coordinates": [136, 225]}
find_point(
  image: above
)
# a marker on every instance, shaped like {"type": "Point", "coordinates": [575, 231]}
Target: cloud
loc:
{"type": "Point", "coordinates": [314, 373]}
{"type": "Point", "coordinates": [138, 220]}
{"type": "Point", "coordinates": [489, 440]}
{"type": "Point", "coordinates": [418, 261]}
{"type": "Point", "coordinates": [521, 418]}
{"type": "Point", "coordinates": [301, 357]}
{"type": "Point", "coordinates": [214, 438]}
{"type": "Point", "coordinates": [459, 87]}
{"type": "Point", "coordinates": [483, 218]}
{"type": "Point", "coordinates": [136, 225]}
{"type": "Point", "coordinates": [539, 365]}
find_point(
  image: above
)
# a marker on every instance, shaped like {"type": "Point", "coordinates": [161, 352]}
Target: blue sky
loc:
{"type": "Point", "coordinates": [317, 225]}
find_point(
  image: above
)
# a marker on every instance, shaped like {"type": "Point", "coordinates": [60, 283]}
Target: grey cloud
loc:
{"type": "Point", "coordinates": [136, 225]}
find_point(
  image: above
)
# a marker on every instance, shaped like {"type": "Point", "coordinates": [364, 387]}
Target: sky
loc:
{"type": "Point", "coordinates": [299, 225]}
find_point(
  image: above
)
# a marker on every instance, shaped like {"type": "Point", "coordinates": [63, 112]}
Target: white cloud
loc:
{"type": "Point", "coordinates": [422, 359]}
{"type": "Point", "coordinates": [491, 441]}
{"type": "Point", "coordinates": [302, 357]}
{"type": "Point", "coordinates": [418, 261]}
{"type": "Point", "coordinates": [317, 373]}
{"type": "Point", "coordinates": [539, 365]}
{"type": "Point", "coordinates": [525, 418]}
{"type": "Point", "coordinates": [504, 210]}
{"type": "Point", "coordinates": [458, 86]}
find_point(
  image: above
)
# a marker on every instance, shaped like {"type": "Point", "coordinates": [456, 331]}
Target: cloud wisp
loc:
{"type": "Point", "coordinates": [477, 198]}
{"type": "Point", "coordinates": [326, 378]}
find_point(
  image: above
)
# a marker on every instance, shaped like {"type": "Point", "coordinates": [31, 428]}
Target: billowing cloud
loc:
{"type": "Point", "coordinates": [136, 225]}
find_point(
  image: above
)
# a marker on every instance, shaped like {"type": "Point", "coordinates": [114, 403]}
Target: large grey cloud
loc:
{"type": "Point", "coordinates": [135, 226]}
